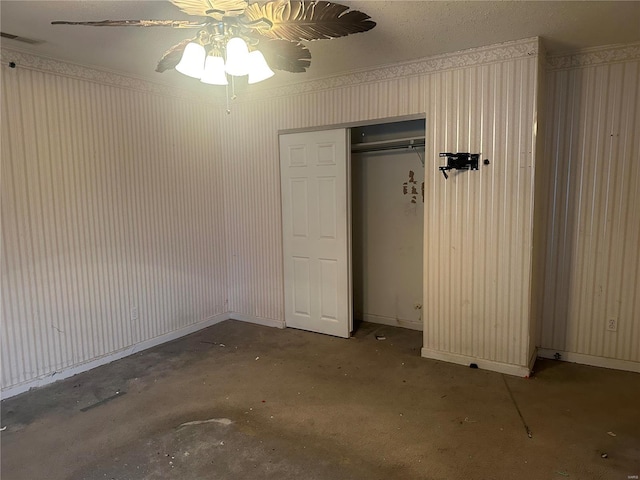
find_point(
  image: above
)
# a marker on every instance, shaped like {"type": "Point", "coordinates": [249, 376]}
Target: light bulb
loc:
{"type": "Point", "coordinates": [192, 61]}
{"type": "Point", "coordinates": [237, 57]}
{"type": "Point", "coordinates": [258, 68]}
{"type": "Point", "coordinates": [214, 71]}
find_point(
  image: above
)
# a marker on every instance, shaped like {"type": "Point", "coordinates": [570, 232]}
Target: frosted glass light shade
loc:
{"type": "Point", "coordinates": [214, 71]}
{"type": "Point", "coordinates": [192, 61]}
{"type": "Point", "coordinates": [237, 57]}
{"type": "Point", "coordinates": [258, 68]}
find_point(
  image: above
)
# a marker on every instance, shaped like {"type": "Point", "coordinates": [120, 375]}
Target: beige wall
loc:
{"type": "Point", "coordinates": [112, 199]}
{"type": "Point", "coordinates": [117, 194]}
{"type": "Point", "coordinates": [387, 237]}
{"type": "Point", "coordinates": [478, 225]}
{"type": "Point", "coordinates": [592, 259]}
{"type": "Point", "coordinates": [252, 172]}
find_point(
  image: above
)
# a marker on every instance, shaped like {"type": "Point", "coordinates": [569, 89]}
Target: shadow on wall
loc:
{"type": "Point", "coordinates": [560, 167]}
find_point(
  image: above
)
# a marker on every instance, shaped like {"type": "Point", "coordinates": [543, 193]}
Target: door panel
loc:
{"type": "Point", "coordinates": [299, 208]}
{"type": "Point", "coordinates": [315, 223]}
{"type": "Point", "coordinates": [301, 302]}
{"type": "Point", "coordinates": [327, 216]}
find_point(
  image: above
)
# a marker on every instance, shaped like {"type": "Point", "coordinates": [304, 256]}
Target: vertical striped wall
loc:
{"type": "Point", "coordinates": [592, 260]}
{"type": "Point", "coordinates": [252, 177]}
{"type": "Point", "coordinates": [478, 225]}
{"type": "Point", "coordinates": [112, 200]}
{"type": "Point", "coordinates": [116, 198]}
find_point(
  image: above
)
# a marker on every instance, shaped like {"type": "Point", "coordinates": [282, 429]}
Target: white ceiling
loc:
{"type": "Point", "coordinates": [404, 31]}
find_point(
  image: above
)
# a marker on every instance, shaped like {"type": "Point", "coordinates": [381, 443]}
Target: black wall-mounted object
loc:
{"type": "Point", "coordinates": [459, 161]}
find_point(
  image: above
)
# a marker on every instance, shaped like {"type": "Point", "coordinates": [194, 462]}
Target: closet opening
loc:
{"type": "Point", "coordinates": [387, 223]}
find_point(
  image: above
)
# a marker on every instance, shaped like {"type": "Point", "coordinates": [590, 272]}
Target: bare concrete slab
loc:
{"type": "Point", "coordinates": [240, 401]}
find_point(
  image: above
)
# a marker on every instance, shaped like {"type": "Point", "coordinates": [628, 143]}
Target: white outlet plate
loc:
{"type": "Point", "coordinates": [612, 324]}
{"type": "Point", "coordinates": [134, 313]}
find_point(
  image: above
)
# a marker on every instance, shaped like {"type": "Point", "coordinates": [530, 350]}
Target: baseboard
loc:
{"type": "Point", "coordinates": [506, 368]}
{"type": "Point", "coordinates": [591, 360]}
{"type": "Point", "coordinates": [267, 322]}
{"type": "Point", "coordinates": [392, 322]}
{"type": "Point", "coordinates": [117, 355]}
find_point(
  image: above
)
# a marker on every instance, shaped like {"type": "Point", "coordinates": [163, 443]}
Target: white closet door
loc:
{"type": "Point", "coordinates": [315, 216]}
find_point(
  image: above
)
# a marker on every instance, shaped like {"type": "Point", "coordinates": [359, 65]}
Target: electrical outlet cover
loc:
{"type": "Point", "coordinates": [612, 325]}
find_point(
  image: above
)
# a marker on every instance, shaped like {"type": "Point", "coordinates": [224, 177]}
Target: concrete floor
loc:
{"type": "Point", "coordinates": [240, 401]}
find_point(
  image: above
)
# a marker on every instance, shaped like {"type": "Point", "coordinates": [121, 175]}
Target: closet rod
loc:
{"type": "Point", "coordinates": [394, 144]}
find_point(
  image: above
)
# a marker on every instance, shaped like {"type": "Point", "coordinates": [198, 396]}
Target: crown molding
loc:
{"type": "Point", "coordinates": [54, 66]}
{"type": "Point", "coordinates": [463, 59]}
{"type": "Point", "coordinates": [595, 56]}
{"type": "Point", "coordinates": [524, 48]}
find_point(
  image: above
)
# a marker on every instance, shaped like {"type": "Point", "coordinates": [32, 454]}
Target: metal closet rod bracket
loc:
{"type": "Point", "coordinates": [415, 149]}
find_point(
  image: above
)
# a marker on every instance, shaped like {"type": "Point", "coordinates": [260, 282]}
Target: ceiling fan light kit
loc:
{"type": "Point", "coordinates": [212, 69]}
{"type": "Point", "coordinates": [239, 39]}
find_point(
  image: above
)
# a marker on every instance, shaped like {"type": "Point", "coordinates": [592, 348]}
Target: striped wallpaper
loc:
{"type": "Point", "coordinates": [128, 213]}
{"type": "Point", "coordinates": [592, 258]}
{"type": "Point", "coordinates": [251, 166]}
{"type": "Point", "coordinates": [478, 225]}
{"type": "Point", "coordinates": [112, 220]}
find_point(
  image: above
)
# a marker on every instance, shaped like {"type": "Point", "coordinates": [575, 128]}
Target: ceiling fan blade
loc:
{"type": "Point", "coordinates": [136, 23]}
{"type": "Point", "coordinates": [212, 8]}
{"type": "Point", "coordinates": [172, 57]}
{"type": "Point", "coordinates": [299, 20]}
{"type": "Point", "coordinates": [287, 56]}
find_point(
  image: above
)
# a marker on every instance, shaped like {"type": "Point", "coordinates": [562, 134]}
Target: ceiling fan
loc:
{"type": "Point", "coordinates": [236, 38]}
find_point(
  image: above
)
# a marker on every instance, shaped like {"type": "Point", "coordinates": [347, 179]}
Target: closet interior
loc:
{"type": "Point", "coordinates": [387, 201]}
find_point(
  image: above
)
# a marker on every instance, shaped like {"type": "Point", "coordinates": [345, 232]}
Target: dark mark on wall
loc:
{"type": "Point", "coordinates": [414, 190]}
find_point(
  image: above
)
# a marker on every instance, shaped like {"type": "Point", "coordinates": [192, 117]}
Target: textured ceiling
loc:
{"type": "Point", "coordinates": [404, 31]}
